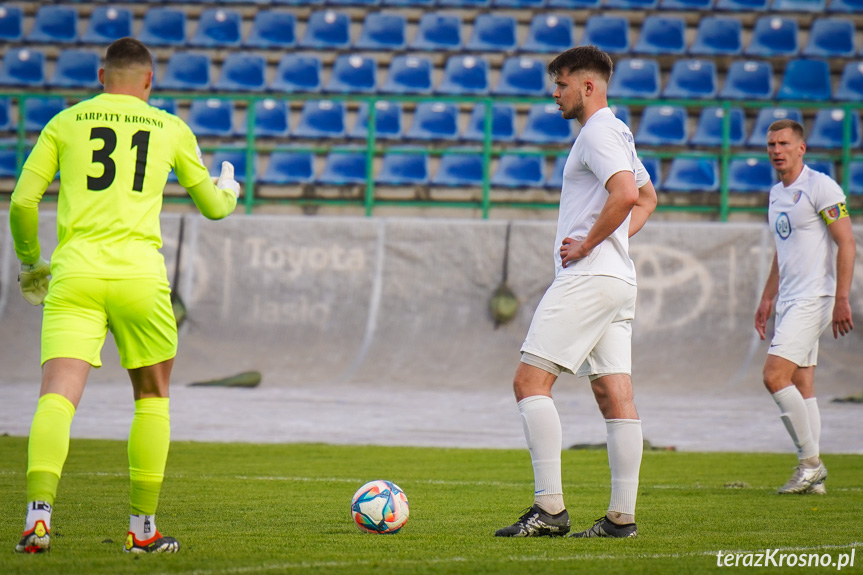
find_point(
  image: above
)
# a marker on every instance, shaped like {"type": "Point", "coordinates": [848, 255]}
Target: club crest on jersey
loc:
{"type": "Point", "coordinates": [783, 226]}
{"type": "Point", "coordinates": [797, 195]}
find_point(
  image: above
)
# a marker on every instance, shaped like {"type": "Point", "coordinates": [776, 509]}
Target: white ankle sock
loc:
{"type": "Point", "coordinates": [795, 416]}
{"type": "Point", "coordinates": [625, 446]}
{"type": "Point", "coordinates": [37, 511]}
{"type": "Point", "coordinates": [142, 526]}
{"type": "Point", "coordinates": [544, 438]}
{"type": "Point", "coordinates": [814, 420]}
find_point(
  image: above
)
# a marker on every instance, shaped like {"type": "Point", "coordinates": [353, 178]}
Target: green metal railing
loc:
{"type": "Point", "coordinates": [486, 203]}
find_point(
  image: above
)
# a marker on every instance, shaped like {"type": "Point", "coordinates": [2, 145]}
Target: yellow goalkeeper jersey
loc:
{"type": "Point", "coordinates": [114, 153]}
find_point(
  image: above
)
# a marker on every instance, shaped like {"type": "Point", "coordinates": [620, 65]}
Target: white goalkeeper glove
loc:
{"type": "Point", "coordinates": [226, 180]}
{"type": "Point", "coordinates": [33, 280]}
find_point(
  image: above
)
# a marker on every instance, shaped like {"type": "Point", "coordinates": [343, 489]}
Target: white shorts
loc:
{"type": "Point", "coordinates": [584, 323]}
{"type": "Point", "coordinates": [799, 325]}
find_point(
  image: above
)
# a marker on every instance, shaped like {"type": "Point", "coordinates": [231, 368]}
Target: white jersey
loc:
{"type": "Point", "coordinates": [604, 147]}
{"type": "Point", "coordinates": [807, 262]}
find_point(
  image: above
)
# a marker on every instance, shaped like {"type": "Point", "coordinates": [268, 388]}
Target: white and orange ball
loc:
{"type": "Point", "coordinates": [380, 507]}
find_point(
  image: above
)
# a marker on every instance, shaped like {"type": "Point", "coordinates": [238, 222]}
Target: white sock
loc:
{"type": "Point", "coordinates": [625, 446]}
{"type": "Point", "coordinates": [544, 440]}
{"type": "Point", "coordinates": [142, 526]}
{"type": "Point", "coordinates": [37, 511]}
{"type": "Point", "coordinates": [814, 421]}
{"type": "Point", "coordinates": [795, 416]}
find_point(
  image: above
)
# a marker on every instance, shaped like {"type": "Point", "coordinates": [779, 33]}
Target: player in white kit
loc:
{"type": "Point", "coordinates": [583, 324]}
{"type": "Point", "coordinates": [807, 216]}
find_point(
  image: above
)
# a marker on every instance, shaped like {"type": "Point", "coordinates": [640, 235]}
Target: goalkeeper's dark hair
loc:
{"type": "Point", "coordinates": [793, 125]}
{"type": "Point", "coordinates": [127, 53]}
{"type": "Point", "coordinates": [583, 58]}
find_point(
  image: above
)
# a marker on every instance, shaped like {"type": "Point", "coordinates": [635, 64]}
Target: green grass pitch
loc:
{"type": "Point", "coordinates": [269, 509]}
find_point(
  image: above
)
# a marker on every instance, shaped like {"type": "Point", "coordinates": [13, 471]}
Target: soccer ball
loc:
{"type": "Point", "coordinates": [380, 507]}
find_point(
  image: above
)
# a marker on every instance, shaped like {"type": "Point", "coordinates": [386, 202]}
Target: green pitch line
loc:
{"type": "Point", "coordinates": [269, 509]}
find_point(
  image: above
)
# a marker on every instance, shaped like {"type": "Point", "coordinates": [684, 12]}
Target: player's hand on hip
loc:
{"type": "Point", "coordinates": [33, 279]}
{"type": "Point", "coordinates": [572, 250]}
{"type": "Point", "coordinates": [226, 180]}
{"type": "Point", "coordinates": [842, 324]}
{"type": "Point", "coordinates": [761, 317]}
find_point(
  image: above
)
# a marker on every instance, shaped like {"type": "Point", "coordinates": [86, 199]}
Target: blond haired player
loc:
{"type": "Point", "coordinates": [810, 282]}
{"type": "Point", "coordinates": [583, 324]}
{"type": "Point", "coordinates": [114, 153]}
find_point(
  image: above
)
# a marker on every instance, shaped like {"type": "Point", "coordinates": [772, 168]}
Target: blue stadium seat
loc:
{"type": "Point", "coordinates": [855, 179]}
{"type": "Point", "coordinates": [805, 80]}
{"type": "Point", "coordinates": [766, 116]}
{"type": "Point", "coordinates": [662, 126]}
{"type": "Point", "coordinates": [236, 157]}
{"type": "Point", "coordinates": [403, 170]}
{"type": "Point", "coordinates": [830, 37]}
{"type": "Point", "coordinates": [708, 132]}
{"type": "Point", "coordinates": [742, 5]}
{"type": "Point", "coordinates": [493, 33]}
{"type": "Point", "coordinates": [654, 170]}
{"type": "Point", "coordinates": [39, 111]}
{"type": "Point", "coordinates": [271, 119]}
{"type": "Point", "coordinates": [545, 125]}
{"type": "Point", "coordinates": [6, 124]}
{"type": "Point", "coordinates": [774, 36]}
{"type": "Point", "coordinates": [818, 6]}
{"type": "Point", "coordinates": [272, 29]}
{"type": "Point", "coordinates": [76, 69]}
{"type": "Point", "coordinates": [388, 121]}
{"type": "Point", "coordinates": [516, 171]}
{"type": "Point", "coordinates": [10, 24]}
{"type": "Point", "coordinates": [421, 3]}
{"type": "Point", "coordinates": [409, 75]}
{"type": "Point", "coordinates": [22, 67]}
{"type": "Point", "coordinates": [321, 119]}
{"type": "Point", "coordinates": [718, 36]}
{"type": "Point", "coordinates": [366, 3]}
{"type": "Point", "coordinates": [575, 4]}
{"type": "Point", "coordinates": [621, 113]}
{"type": "Point", "coordinates": [326, 30]}
{"type": "Point", "coordinates": [108, 23]}
{"type": "Point", "coordinates": [630, 4]}
{"type": "Point", "coordinates": [212, 117]}
{"type": "Point", "coordinates": [242, 71]}
{"type": "Point", "coordinates": [700, 5]}
{"type": "Point", "coordinates": [187, 71]}
{"type": "Point", "coordinates": [164, 27]}
{"type": "Point", "coordinates": [549, 33]}
{"type": "Point", "coordinates": [457, 170]}
{"type": "Point", "coordinates": [750, 175]}
{"type": "Point", "coordinates": [289, 167]}
{"type": "Point", "coordinates": [352, 74]}
{"type": "Point", "coordinates": [609, 33]}
{"type": "Point", "coordinates": [167, 104]}
{"type": "Point", "coordinates": [520, 76]}
{"type": "Point", "coordinates": [502, 123]}
{"type": "Point", "coordinates": [692, 79]}
{"type": "Point", "coordinates": [748, 80]}
{"type": "Point", "coordinates": [438, 32]}
{"type": "Point", "coordinates": [343, 169]}
{"type": "Point", "coordinates": [692, 175]}
{"type": "Point", "coordinates": [635, 78]}
{"type": "Point", "coordinates": [54, 24]}
{"type": "Point", "coordinates": [661, 35]}
{"type": "Point", "coordinates": [218, 27]}
{"type": "Point", "coordinates": [827, 129]}
{"type": "Point", "coordinates": [464, 3]}
{"type": "Point", "coordinates": [8, 164]}
{"type": "Point", "coordinates": [434, 121]}
{"type": "Point", "coordinates": [518, 3]}
{"type": "Point", "coordinates": [851, 83]}
{"type": "Point", "coordinates": [465, 75]}
{"type": "Point", "coordinates": [845, 6]}
{"type": "Point", "coordinates": [555, 178]}
{"type": "Point", "coordinates": [383, 31]}
{"type": "Point", "coordinates": [297, 73]}
{"type": "Point", "coordinates": [823, 166]}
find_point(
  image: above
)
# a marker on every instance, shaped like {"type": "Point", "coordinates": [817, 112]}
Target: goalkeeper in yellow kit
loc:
{"type": "Point", "coordinates": [114, 153]}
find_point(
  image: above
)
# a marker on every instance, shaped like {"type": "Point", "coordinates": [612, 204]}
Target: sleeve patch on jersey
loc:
{"type": "Point", "coordinates": [834, 213]}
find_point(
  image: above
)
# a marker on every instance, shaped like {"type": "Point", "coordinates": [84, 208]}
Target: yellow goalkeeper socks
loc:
{"type": "Point", "coordinates": [48, 446]}
{"type": "Point", "coordinates": [149, 439]}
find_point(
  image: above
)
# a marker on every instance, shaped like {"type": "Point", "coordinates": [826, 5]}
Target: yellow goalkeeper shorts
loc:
{"type": "Point", "coordinates": [79, 312]}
